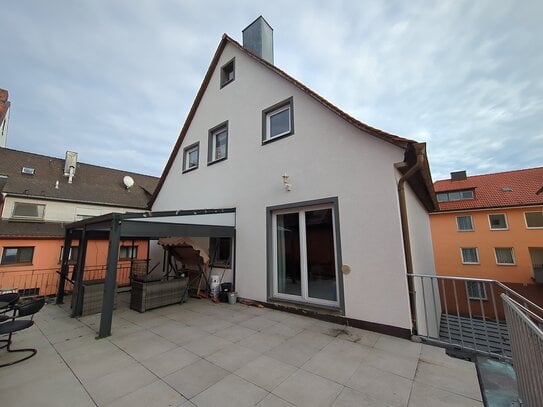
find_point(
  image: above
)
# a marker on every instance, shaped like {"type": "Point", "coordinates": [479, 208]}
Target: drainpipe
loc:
{"type": "Point", "coordinates": [405, 228]}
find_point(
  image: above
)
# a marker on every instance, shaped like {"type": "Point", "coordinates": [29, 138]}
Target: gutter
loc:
{"type": "Point", "coordinates": [420, 153]}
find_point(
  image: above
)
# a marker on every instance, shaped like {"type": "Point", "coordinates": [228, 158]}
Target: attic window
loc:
{"type": "Point", "coordinates": [277, 121]}
{"type": "Point", "coordinates": [228, 72]}
{"type": "Point", "coordinates": [28, 171]}
{"type": "Point", "coordinates": [455, 195]}
{"type": "Point", "coordinates": [191, 157]}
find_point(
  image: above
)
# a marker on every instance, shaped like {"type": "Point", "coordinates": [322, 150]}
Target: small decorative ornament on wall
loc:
{"type": "Point", "coordinates": [286, 182]}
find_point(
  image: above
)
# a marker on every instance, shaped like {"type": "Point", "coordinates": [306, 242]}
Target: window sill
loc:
{"type": "Point", "coordinates": [271, 140]}
{"type": "Point", "coordinates": [189, 169]}
{"type": "Point", "coordinates": [216, 161]}
{"type": "Point", "coordinates": [471, 264]}
{"type": "Point", "coordinates": [506, 264]}
{"type": "Point", "coordinates": [16, 265]}
{"type": "Point", "coordinates": [227, 82]}
{"type": "Point", "coordinates": [498, 229]}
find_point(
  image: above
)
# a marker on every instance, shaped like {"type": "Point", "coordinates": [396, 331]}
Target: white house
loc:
{"type": "Point", "coordinates": [319, 196]}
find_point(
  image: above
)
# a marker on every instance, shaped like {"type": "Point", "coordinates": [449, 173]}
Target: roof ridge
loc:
{"type": "Point", "coordinates": [492, 173]}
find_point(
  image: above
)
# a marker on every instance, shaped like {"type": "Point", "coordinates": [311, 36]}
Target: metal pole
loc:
{"type": "Point", "coordinates": [77, 304]}
{"type": "Point", "coordinates": [111, 277]}
{"type": "Point", "coordinates": [64, 266]}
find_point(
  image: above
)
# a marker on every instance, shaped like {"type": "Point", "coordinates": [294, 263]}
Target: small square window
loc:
{"type": "Point", "coordinates": [476, 290]}
{"type": "Point", "coordinates": [217, 149]}
{"type": "Point", "coordinates": [277, 121]}
{"type": "Point", "coordinates": [497, 221]}
{"type": "Point", "coordinates": [128, 252]}
{"type": "Point", "coordinates": [534, 219]}
{"type": "Point", "coordinates": [470, 255]}
{"type": "Point", "coordinates": [190, 157]}
{"type": "Point", "coordinates": [464, 223]}
{"type": "Point", "coordinates": [504, 256]}
{"type": "Point", "coordinates": [228, 73]}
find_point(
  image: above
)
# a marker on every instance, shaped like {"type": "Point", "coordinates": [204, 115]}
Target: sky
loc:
{"type": "Point", "coordinates": [114, 79]}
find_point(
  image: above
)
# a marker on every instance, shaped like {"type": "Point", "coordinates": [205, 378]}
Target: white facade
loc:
{"type": "Point", "coordinates": [326, 157]}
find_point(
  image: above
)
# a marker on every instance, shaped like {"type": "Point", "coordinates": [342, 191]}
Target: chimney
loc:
{"type": "Point", "coordinates": [4, 117]}
{"type": "Point", "coordinates": [70, 164]}
{"type": "Point", "coordinates": [258, 39]}
{"type": "Point", "coordinates": [459, 176]}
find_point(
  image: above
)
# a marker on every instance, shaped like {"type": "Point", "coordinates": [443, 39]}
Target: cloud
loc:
{"type": "Point", "coordinates": [115, 80]}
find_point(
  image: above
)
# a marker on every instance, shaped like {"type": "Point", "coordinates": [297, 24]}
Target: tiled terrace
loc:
{"type": "Point", "coordinates": [205, 354]}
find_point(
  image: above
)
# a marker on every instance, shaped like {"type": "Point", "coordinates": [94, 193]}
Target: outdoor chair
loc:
{"type": "Point", "coordinates": [16, 324]}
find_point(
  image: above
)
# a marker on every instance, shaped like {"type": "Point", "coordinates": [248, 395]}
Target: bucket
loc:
{"type": "Point", "coordinates": [232, 297]}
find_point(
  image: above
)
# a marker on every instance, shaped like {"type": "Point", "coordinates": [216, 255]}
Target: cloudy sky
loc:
{"type": "Point", "coordinates": [115, 79]}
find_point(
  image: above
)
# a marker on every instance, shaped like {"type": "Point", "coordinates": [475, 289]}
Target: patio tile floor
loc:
{"type": "Point", "coordinates": [204, 354]}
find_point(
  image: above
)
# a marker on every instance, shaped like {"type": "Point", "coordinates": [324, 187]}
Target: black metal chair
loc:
{"type": "Point", "coordinates": [16, 324]}
{"type": "Point", "coordinates": [7, 303]}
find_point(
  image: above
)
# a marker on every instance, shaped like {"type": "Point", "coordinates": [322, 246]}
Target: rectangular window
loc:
{"type": "Point", "coordinates": [470, 255]}
{"type": "Point", "coordinates": [220, 249]}
{"type": "Point", "coordinates": [277, 121]}
{"type": "Point", "coordinates": [534, 219]}
{"type": "Point", "coordinates": [128, 252]}
{"type": "Point", "coordinates": [305, 255]}
{"type": "Point", "coordinates": [497, 221]}
{"type": "Point", "coordinates": [17, 255]}
{"type": "Point", "coordinates": [476, 290]}
{"type": "Point", "coordinates": [28, 210]}
{"type": "Point", "coordinates": [228, 72]}
{"type": "Point", "coordinates": [72, 258]}
{"type": "Point", "coordinates": [464, 223]}
{"type": "Point", "coordinates": [455, 195]}
{"type": "Point", "coordinates": [504, 255]}
{"type": "Point", "coordinates": [191, 157]}
{"type": "Point", "coordinates": [217, 149]}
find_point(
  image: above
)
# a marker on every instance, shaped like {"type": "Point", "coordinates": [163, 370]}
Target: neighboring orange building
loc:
{"type": "Point", "coordinates": [491, 226]}
{"type": "Point", "coordinates": [39, 194]}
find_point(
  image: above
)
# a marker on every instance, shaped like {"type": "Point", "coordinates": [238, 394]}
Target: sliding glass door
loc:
{"type": "Point", "coordinates": [305, 255]}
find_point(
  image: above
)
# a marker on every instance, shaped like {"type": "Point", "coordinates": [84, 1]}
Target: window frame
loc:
{"type": "Point", "coordinates": [17, 262]}
{"type": "Point", "coordinates": [72, 258]}
{"type": "Point", "coordinates": [130, 249]}
{"type": "Point", "coordinates": [186, 151]}
{"type": "Point", "coordinates": [273, 110]}
{"type": "Point", "coordinates": [212, 143]}
{"type": "Point", "coordinates": [480, 284]}
{"type": "Point", "coordinates": [526, 220]}
{"type": "Point", "coordinates": [223, 79]}
{"type": "Point", "coordinates": [447, 195]}
{"type": "Point", "coordinates": [514, 263]}
{"type": "Point", "coordinates": [37, 205]}
{"type": "Point", "coordinates": [469, 262]}
{"type": "Point", "coordinates": [504, 218]}
{"type": "Point", "coordinates": [221, 263]}
{"type": "Point", "coordinates": [470, 221]}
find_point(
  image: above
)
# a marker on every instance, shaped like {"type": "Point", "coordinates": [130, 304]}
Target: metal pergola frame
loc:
{"type": "Point", "coordinates": [117, 226]}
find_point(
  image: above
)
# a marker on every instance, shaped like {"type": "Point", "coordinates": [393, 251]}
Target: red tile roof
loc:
{"type": "Point", "coordinates": [489, 190]}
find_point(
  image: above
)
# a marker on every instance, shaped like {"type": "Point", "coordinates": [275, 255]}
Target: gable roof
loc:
{"type": "Point", "coordinates": [91, 184]}
{"type": "Point", "coordinates": [387, 137]}
{"type": "Point", "coordinates": [4, 104]}
{"type": "Point", "coordinates": [490, 193]}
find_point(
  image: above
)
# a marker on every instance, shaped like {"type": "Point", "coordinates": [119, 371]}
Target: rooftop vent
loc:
{"type": "Point", "coordinates": [459, 176]}
{"type": "Point", "coordinates": [507, 189]}
{"type": "Point", "coordinates": [28, 171]}
{"type": "Point", "coordinates": [258, 39]}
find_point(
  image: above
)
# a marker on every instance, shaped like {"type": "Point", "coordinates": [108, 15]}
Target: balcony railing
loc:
{"type": "Point", "coordinates": [45, 281]}
{"type": "Point", "coordinates": [526, 334]}
{"type": "Point", "coordinates": [465, 313]}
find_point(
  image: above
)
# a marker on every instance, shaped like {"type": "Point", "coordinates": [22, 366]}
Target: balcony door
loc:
{"type": "Point", "coordinates": [304, 255]}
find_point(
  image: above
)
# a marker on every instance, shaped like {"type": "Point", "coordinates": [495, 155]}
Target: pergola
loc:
{"type": "Point", "coordinates": [148, 226]}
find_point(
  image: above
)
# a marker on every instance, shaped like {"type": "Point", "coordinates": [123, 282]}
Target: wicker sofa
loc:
{"type": "Point", "coordinates": [93, 294]}
{"type": "Point", "coordinates": [153, 294]}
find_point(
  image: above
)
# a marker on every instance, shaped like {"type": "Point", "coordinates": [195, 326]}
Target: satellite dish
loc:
{"type": "Point", "coordinates": [128, 181]}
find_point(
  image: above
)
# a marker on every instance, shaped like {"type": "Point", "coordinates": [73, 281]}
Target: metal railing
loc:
{"type": "Point", "coordinates": [465, 313]}
{"type": "Point", "coordinates": [45, 281]}
{"type": "Point", "coordinates": [526, 334]}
